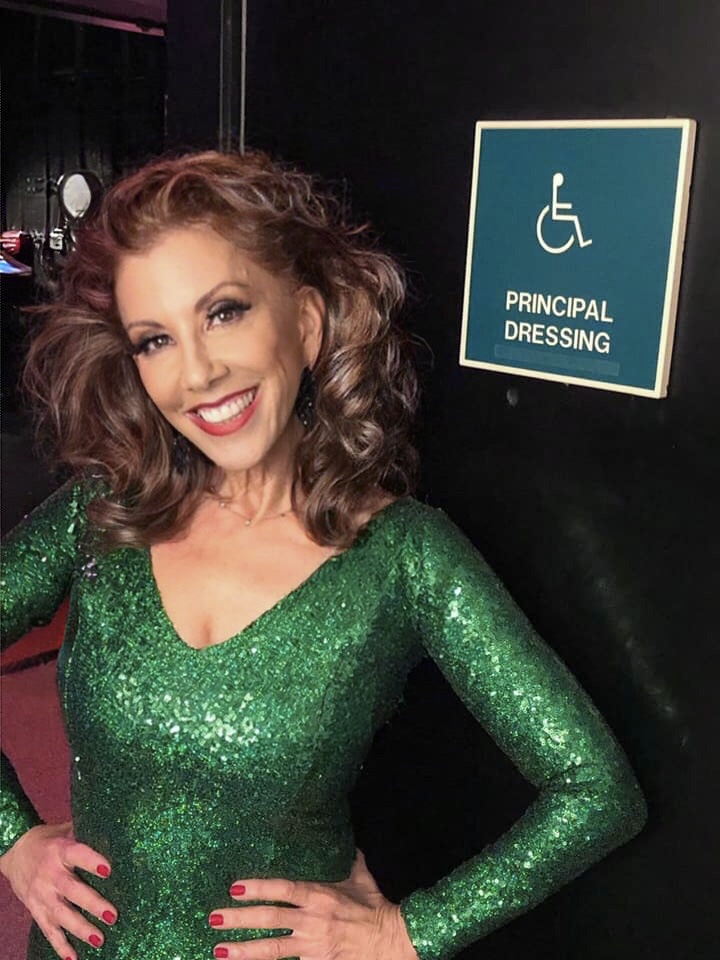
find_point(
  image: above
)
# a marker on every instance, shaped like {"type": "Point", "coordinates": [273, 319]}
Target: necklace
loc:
{"type": "Point", "coordinates": [249, 521]}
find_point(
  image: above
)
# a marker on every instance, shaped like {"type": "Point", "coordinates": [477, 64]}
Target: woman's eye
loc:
{"type": "Point", "coordinates": [150, 344]}
{"type": "Point", "coordinates": [228, 311]}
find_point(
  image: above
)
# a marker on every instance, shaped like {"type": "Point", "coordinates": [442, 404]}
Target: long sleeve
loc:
{"type": "Point", "coordinates": [38, 560]}
{"type": "Point", "coordinates": [589, 801]}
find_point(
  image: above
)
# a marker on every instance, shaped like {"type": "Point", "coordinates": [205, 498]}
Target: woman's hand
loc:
{"type": "Point", "coordinates": [41, 869]}
{"type": "Point", "coordinates": [350, 920]}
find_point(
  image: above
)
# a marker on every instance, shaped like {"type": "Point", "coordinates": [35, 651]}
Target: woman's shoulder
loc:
{"type": "Point", "coordinates": [65, 508]}
{"type": "Point", "coordinates": [417, 521]}
{"type": "Point", "coordinates": [429, 549]}
{"type": "Point", "coordinates": [382, 506]}
{"type": "Point", "coordinates": [78, 492]}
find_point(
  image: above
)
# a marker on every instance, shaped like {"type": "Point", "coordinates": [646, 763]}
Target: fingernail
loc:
{"type": "Point", "coordinates": [103, 870]}
{"type": "Point", "coordinates": [94, 940]}
{"type": "Point", "coordinates": [237, 889]}
{"type": "Point", "coordinates": [221, 953]}
{"type": "Point", "coordinates": [216, 920]}
{"type": "Point", "coordinates": [108, 916]}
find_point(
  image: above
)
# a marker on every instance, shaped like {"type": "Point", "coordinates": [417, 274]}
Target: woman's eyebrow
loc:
{"type": "Point", "coordinates": [199, 306]}
{"type": "Point", "coordinates": [203, 301]}
{"type": "Point", "coordinates": [143, 323]}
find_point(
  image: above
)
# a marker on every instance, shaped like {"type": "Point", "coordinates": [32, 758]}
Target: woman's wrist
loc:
{"type": "Point", "coordinates": [404, 948]}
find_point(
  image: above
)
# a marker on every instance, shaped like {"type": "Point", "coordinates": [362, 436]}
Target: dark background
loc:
{"type": "Point", "coordinates": [75, 95]}
{"type": "Point", "coordinates": [599, 510]}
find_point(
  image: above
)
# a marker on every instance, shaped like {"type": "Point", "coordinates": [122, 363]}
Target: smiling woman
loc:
{"type": "Point", "coordinates": [251, 582]}
{"type": "Point", "coordinates": [224, 373]}
{"type": "Point", "coordinates": [194, 258]}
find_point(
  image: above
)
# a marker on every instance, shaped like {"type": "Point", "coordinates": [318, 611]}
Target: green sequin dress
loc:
{"type": "Point", "coordinates": [194, 768]}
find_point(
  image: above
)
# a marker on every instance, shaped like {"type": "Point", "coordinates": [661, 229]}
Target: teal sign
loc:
{"type": "Point", "coordinates": [574, 251]}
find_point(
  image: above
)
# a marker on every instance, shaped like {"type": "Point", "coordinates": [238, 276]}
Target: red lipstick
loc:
{"type": "Point", "coordinates": [225, 427]}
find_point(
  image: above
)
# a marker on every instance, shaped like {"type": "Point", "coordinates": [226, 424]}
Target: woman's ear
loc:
{"type": "Point", "coordinates": [312, 313]}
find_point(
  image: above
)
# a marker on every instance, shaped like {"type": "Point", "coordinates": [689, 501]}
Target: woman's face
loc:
{"type": "Point", "coordinates": [219, 342]}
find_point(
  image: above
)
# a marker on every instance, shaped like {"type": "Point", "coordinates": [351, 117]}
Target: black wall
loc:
{"type": "Point", "coordinates": [599, 510]}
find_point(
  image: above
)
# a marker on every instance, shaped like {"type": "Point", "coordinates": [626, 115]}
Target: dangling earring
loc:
{"type": "Point", "coordinates": [180, 454]}
{"type": "Point", "coordinates": [305, 400]}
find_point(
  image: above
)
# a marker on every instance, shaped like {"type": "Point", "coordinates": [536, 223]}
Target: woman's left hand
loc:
{"type": "Point", "coordinates": [349, 920]}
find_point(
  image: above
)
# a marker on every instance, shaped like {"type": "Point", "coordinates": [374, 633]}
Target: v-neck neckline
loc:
{"type": "Point", "coordinates": [329, 563]}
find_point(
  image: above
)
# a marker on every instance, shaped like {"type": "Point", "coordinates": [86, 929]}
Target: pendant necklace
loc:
{"type": "Point", "coordinates": [249, 521]}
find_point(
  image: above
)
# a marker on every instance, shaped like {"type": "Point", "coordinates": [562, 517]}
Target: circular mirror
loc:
{"type": "Point", "coordinates": [78, 192]}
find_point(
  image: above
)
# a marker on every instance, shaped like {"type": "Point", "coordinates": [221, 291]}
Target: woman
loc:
{"type": "Point", "coordinates": [250, 584]}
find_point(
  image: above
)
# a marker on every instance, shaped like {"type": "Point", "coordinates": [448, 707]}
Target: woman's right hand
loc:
{"type": "Point", "coordinates": [40, 867]}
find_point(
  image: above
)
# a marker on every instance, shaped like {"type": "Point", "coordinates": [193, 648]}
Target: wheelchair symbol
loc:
{"type": "Point", "coordinates": [556, 213]}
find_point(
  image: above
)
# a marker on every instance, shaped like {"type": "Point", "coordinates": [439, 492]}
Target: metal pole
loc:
{"type": "Point", "coordinates": [231, 132]}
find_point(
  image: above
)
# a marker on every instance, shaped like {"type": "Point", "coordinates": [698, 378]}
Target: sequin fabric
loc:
{"type": "Point", "coordinates": [195, 768]}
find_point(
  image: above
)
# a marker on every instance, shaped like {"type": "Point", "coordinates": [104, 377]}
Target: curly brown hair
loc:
{"type": "Point", "coordinates": [83, 381]}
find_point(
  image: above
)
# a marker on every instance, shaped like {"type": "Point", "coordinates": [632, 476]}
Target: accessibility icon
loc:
{"type": "Point", "coordinates": [559, 212]}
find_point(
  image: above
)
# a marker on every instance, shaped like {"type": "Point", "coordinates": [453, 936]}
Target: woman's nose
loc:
{"type": "Point", "coordinates": [200, 368]}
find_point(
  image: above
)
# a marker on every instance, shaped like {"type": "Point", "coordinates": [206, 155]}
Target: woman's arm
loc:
{"type": "Point", "coordinates": [39, 557]}
{"type": "Point", "coordinates": [38, 560]}
{"type": "Point", "coordinates": [589, 800]}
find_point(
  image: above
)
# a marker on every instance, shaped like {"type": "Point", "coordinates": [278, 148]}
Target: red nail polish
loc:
{"type": "Point", "coordinates": [216, 920]}
{"type": "Point", "coordinates": [94, 940]}
{"type": "Point", "coordinates": [108, 916]}
{"type": "Point", "coordinates": [237, 889]}
{"type": "Point", "coordinates": [221, 953]}
{"type": "Point", "coordinates": [103, 871]}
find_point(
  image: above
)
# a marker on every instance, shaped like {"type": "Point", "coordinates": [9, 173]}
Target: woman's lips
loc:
{"type": "Point", "coordinates": [227, 415]}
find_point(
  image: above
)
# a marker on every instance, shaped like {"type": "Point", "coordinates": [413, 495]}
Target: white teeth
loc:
{"type": "Point", "coordinates": [227, 411]}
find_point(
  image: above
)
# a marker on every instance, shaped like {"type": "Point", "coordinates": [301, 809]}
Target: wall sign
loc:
{"type": "Point", "coordinates": [574, 250]}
